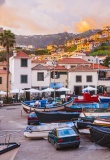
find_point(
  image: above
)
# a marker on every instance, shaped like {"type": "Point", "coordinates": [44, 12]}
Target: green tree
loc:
{"type": "Point", "coordinates": [7, 40]}
{"type": "Point", "coordinates": [106, 62]}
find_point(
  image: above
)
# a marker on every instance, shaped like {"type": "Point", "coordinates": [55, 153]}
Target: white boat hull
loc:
{"type": "Point", "coordinates": [43, 134]}
{"type": "Point", "coordinates": [43, 130]}
{"type": "Point", "coordinates": [94, 114]}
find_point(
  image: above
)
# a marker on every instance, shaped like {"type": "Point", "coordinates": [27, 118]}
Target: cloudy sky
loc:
{"type": "Point", "coordinates": [34, 17]}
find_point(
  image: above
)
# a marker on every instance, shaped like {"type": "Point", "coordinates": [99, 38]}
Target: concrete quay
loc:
{"type": "Point", "coordinates": [11, 119]}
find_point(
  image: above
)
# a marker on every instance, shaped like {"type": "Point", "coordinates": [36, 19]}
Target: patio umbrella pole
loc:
{"type": "Point", "coordinates": [54, 81]}
{"type": "Point", "coordinates": [54, 62]}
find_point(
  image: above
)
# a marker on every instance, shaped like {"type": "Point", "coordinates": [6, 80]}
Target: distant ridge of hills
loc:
{"type": "Point", "coordinates": [41, 41]}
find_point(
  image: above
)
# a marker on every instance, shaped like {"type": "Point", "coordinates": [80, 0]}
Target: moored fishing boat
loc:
{"type": "Point", "coordinates": [86, 98]}
{"type": "Point", "coordinates": [104, 99]}
{"type": "Point", "coordinates": [102, 121]}
{"type": "Point", "coordinates": [100, 135]}
{"type": "Point", "coordinates": [78, 107]}
{"type": "Point", "coordinates": [42, 130]}
{"type": "Point", "coordinates": [49, 117]}
{"type": "Point", "coordinates": [95, 112]}
{"type": "Point", "coordinates": [44, 105]}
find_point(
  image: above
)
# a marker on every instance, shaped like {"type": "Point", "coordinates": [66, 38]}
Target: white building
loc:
{"type": "Point", "coordinates": [94, 59]}
{"type": "Point", "coordinates": [81, 77]}
{"type": "Point", "coordinates": [72, 62]}
{"type": "Point", "coordinates": [40, 77]}
{"type": "Point", "coordinates": [20, 69]}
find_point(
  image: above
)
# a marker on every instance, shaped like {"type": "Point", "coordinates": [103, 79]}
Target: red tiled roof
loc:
{"type": "Point", "coordinates": [98, 66]}
{"type": "Point", "coordinates": [2, 71]}
{"type": "Point", "coordinates": [72, 61]}
{"type": "Point", "coordinates": [81, 68]}
{"type": "Point", "coordinates": [22, 54]}
{"type": "Point", "coordinates": [38, 61]}
{"type": "Point", "coordinates": [40, 67]}
{"type": "Point", "coordinates": [58, 68]}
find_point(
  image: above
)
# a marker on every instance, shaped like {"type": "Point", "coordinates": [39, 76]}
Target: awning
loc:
{"type": "Point", "coordinates": [56, 85]}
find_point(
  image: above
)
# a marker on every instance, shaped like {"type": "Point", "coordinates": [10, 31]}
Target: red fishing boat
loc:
{"type": "Point", "coordinates": [86, 98]}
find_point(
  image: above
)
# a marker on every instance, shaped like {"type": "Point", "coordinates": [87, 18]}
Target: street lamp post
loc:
{"type": "Point", "coordinates": [54, 62]}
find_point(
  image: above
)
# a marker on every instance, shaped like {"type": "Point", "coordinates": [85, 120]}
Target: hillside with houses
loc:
{"type": "Point", "coordinates": [71, 64]}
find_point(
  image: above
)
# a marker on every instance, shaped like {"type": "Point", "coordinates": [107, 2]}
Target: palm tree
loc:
{"type": "Point", "coordinates": [7, 40]}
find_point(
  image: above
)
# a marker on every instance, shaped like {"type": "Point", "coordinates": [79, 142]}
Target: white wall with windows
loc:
{"type": "Point", "coordinates": [20, 68]}
{"type": "Point", "coordinates": [40, 78]}
{"type": "Point", "coordinates": [82, 79]}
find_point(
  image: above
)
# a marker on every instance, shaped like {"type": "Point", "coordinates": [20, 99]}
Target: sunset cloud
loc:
{"type": "Point", "coordinates": [85, 25]}
{"type": "Point", "coordinates": [53, 16]}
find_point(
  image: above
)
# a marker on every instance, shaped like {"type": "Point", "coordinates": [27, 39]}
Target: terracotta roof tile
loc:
{"type": "Point", "coordinates": [81, 68]}
{"type": "Point", "coordinates": [40, 67]}
{"type": "Point", "coordinates": [22, 54]}
{"type": "Point", "coordinates": [72, 61]}
{"type": "Point", "coordinates": [38, 61]}
{"type": "Point", "coordinates": [59, 68]}
{"type": "Point", "coordinates": [98, 66]}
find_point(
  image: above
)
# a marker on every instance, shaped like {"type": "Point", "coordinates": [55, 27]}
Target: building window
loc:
{"type": "Point", "coordinates": [78, 78]}
{"type": "Point", "coordinates": [24, 78]}
{"type": "Point", "coordinates": [0, 80]}
{"type": "Point", "coordinates": [23, 62]}
{"type": "Point", "coordinates": [89, 79]}
{"type": "Point", "coordinates": [40, 76]}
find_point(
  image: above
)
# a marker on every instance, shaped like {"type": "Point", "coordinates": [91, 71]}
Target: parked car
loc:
{"type": "Point", "coordinates": [33, 119]}
{"type": "Point", "coordinates": [64, 137]}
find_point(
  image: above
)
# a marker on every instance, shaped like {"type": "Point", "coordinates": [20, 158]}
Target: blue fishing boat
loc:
{"type": "Point", "coordinates": [77, 107]}
{"type": "Point", "coordinates": [45, 105]}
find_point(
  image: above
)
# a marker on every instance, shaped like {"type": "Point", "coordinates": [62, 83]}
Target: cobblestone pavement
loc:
{"type": "Point", "coordinates": [11, 119]}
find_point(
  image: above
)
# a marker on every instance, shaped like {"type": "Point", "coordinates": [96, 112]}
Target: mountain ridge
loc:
{"type": "Point", "coordinates": [41, 41]}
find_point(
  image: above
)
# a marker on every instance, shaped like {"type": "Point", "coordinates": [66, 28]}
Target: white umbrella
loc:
{"type": "Point", "coordinates": [2, 93]}
{"type": "Point", "coordinates": [17, 91]}
{"type": "Point", "coordinates": [32, 90]}
{"type": "Point", "coordinates": [48, 90]}
{"type": "Point", "coordinates": [63, 89]}
{"type": "Point", "coordinates": [89, 89]}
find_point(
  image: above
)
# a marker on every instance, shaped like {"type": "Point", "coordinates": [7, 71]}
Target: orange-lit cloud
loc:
{"type": "Point", "coordinates": [85, 25]}
{"type": "Point", "coordinates": [53, 16]}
